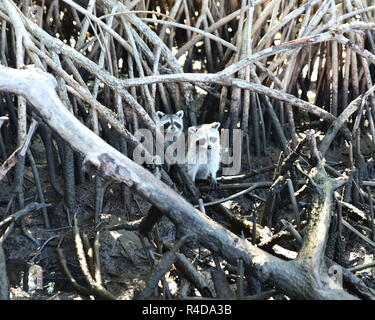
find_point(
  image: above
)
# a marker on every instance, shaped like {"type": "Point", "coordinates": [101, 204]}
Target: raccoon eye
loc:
{"type": "Point", "coordinates": [201, 141]}
{"type": "Point", "coordinates": [167, 125]}
{"type": "Point", "coordinates": [177, 125]}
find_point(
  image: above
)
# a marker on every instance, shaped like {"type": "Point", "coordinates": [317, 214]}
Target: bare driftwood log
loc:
{"type": "Point", "coordinates": [303, 278]}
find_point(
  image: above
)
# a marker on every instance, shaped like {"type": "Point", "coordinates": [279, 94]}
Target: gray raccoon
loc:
{"type": "Point", "coordinates": [203, 155]}
{"type": "Point", "coordinates": [172, 125]}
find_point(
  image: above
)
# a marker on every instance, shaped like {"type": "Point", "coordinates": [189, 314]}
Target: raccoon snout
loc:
{"type": "Point", "coordinates": [209, 147]}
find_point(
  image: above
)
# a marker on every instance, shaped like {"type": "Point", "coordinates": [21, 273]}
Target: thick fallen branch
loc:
{"type": "Point", "coordinates": [297, 279]}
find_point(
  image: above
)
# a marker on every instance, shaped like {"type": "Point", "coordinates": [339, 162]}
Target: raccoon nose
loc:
{"type": "Point", "coordinates": [209, 147]}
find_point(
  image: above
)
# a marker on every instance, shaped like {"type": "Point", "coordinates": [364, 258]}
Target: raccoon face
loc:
{"type": "Point", "coordinates": [206, 136]}
{"type": "Point", "coordinates": [170, 124]}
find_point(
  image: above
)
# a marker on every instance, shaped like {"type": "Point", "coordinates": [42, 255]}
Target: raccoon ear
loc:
{"type": "Point", "coordinates": [216, 125]}
{"type": "Point", "coordinates": [160, 114]}
{"type": "Point", "coordinates": [180, 114]}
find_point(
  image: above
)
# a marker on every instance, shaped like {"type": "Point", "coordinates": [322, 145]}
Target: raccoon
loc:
{"type": "Point", "coordinates": [171, 124]}
{"type": "Point", "coordinates": [203, 155]}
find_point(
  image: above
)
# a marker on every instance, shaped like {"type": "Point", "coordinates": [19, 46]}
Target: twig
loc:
{"type": "Point", "coordinates": [95, 287]}
{"type": "Point", "coordinates": [160, 269]}
{"type": "Point", "coordinates": [294, 201]}
{"type": "Point", "coordinates": [292, 231]}
{"type": "Point", "coordinates": [362, 267]}
{"type": "Point", "coordinates": [352, 229]}
{"type": "Point", "coordinates": [4, 282]}
{"type": "Point", "coordinates": [20, 152]}
{"type": "Point", "coordinates": [371, 214]}
{"type": "Point", "coordinates": [236, 195]}
{"type": "Point", "coordinates": [15, 217]}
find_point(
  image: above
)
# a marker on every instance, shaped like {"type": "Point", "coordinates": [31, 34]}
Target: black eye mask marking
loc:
{"type": "Point", "coordinates": [201, 141]}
